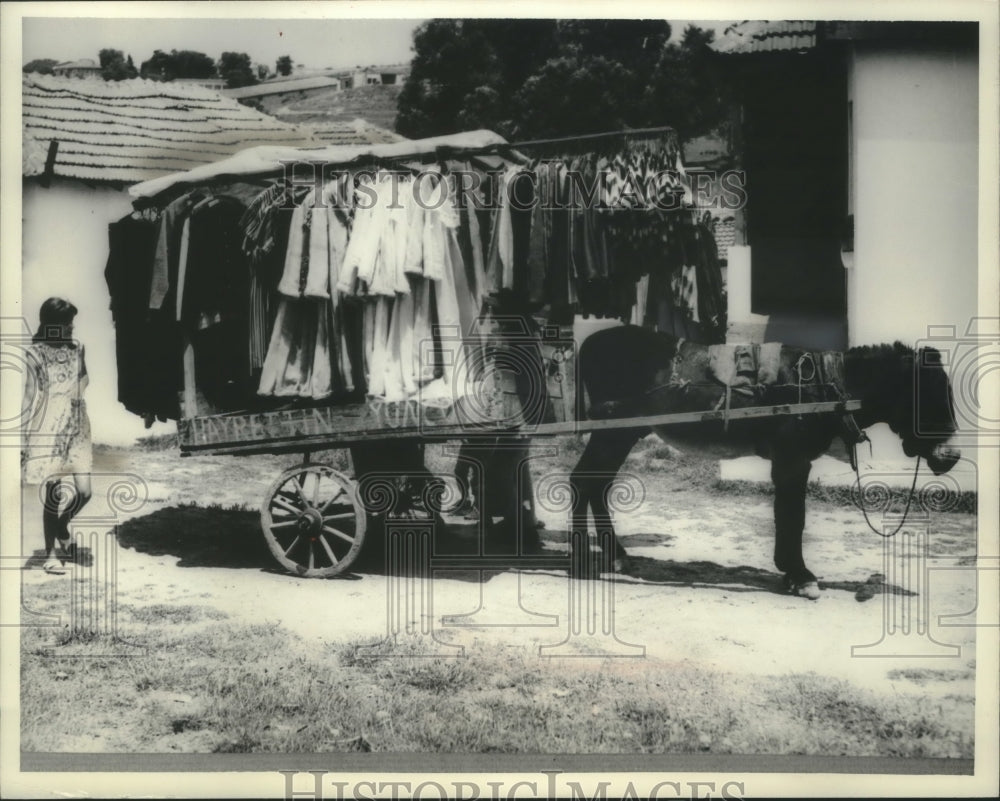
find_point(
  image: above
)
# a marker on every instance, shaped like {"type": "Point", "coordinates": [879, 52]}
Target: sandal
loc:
{"type": "Point", "coordinates": [53, 567]}
{"type": "Point", "coordinates": [68, 547]}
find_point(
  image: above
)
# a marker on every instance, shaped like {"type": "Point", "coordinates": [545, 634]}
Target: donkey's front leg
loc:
{"type": "Point", "coordinates": [790, 474]}
{"type": "Point", "coordinates": [593, 476]}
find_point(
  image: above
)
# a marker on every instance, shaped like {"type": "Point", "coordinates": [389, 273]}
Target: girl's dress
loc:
{"type": "Point", "coordinates": [56, 426]}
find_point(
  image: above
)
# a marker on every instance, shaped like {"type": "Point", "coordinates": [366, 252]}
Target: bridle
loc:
{"type": "Point", "coordinates": [861, 502]}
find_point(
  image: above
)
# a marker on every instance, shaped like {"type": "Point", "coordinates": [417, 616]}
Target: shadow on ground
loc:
{"type": "Point", "coordinates": [36, 561]}
{"type": "Point", "coordinates": [199, 537]}
{"type": "Point", "coordinates": [738, 579]}
{"type": "Point", "coordinates": [212, 537]}
{"type": "Point", "coordinates": [208, 537]}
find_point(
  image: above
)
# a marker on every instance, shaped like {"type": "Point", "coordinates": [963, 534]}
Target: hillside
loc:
{"type": "Point", "coordinates": [374, 104]}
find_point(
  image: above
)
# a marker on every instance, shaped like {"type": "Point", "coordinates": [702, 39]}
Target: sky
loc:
{"type": "Point", "coordinates": [315, 43]}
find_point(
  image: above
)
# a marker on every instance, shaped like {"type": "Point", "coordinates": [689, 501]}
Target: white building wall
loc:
{"type": "Point", "coordinates": [65, 250]}
{"type": "Point", "coordinates": [915, 193]}
{"type": "Point", "coordinates": [914, 196]}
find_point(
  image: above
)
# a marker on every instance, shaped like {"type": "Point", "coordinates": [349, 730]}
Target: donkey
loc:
{"type": "Point", "coordinates": [627, 373]}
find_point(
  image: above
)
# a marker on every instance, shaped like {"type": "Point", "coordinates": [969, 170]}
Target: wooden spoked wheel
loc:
{"type": "Point", "coordinates": [313, 522]}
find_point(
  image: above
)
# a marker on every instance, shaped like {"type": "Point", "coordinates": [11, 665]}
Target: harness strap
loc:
{"type": "Point", "coordinates": [852, 435]}
{"type": "Point", "coordinates": [805, 359]}
{"type": "Point", "coordinates": [864, 511]}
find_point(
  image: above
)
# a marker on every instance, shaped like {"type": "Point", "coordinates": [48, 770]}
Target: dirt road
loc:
{"type": "Point", "coordinates": [700, 591]}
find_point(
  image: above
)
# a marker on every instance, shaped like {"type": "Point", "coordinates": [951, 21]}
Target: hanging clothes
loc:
{"type": "Point", "coordinates": [711, 289]}
{"type": "Point", "coordinates": [298, 356]}
{"type": "Point", "coordinates": [147, 354]}
{"type": "Point", "coordinates": [212, 300]}
{"type": "Point", "coordinates": [168, 247]}
{"type": "Point", "coordinates": [684, 288]}
{"type": "Point", "coordinates": [212, 269]}
{"type": "Point", "coordinates": [266, 226]}
{"type": "Point", "coordinates": [307, 259]}
{"type": "Point", "coordinates": [364, 289]}
{"type": "Point", "coordinates": [500, 260]}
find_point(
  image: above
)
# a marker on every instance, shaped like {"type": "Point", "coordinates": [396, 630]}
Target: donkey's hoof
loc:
{"type": "Point", "coordinates": [803, 589]}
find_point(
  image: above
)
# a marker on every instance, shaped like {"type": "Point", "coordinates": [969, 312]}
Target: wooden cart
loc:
{"type": "Point", "coordinates": [314, 517]}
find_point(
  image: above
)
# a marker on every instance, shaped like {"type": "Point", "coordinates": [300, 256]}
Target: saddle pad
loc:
{"type": "Point", "coordinates": [753, 365]}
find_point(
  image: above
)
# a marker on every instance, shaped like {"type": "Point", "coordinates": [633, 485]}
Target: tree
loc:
{"type": "Point", "coordinates": [262, 72]}
{"type": "Point", "coordinates": [465, 73]}
{"type": "Point", "coordinates": [596, 82]}
{"type": "Point", "coordinates": [114, 67]}
{"type": "Point", "coordinates": [284, 65]}
{"type": "Point", "coordinates": [535, 78]}
{"type": "Point", "coordinates": [192, 64]}
{"type": "Point", "coordinates": [40, 65]}
{"type": "Point", "coordinates": [159, 67]}
{"type": "Point", "coordinates": [178, 64]}
{"type": "Point", "coordinates": [575, 94]}
{"type": "Point", "coordinates": [688, 87]}
{"type": "Point", "coordinates": [236, 69]}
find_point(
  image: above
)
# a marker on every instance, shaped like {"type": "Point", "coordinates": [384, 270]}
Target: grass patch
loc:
{"type": "Point", "coordinates": [157, 442]}
{"type": "Point", "coordinates": [921, 676]}
{"type": "Point", "coordinates": [846, 720]}
{"type": "Point", "coordinates": [211, 686]}
{"type": "Point", "coordinates": [165, 613]}
{"type": "Point", "coordinates": [217, 507]}
{"type": "Point", "coordinates": [695, 467]}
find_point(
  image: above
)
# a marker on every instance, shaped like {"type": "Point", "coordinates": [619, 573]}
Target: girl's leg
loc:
{"type": "Point", "coordinates": [50, 515]}
{"type": "Point", "coordinates": [77, 501]}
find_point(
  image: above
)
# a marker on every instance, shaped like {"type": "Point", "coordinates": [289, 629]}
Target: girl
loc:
{"type": "Point", "coordinates": [57, 430]}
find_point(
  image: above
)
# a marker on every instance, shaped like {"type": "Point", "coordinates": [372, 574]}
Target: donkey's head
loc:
{"type": "Point", "coordinates": [922, 413]}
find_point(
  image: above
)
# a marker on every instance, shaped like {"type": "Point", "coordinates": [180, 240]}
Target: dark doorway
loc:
{"type": "Point", "coordinates": [795, 155]}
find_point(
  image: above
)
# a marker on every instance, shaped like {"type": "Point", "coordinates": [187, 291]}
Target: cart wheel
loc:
{"type": "Point", "coordinates": [313, 522]}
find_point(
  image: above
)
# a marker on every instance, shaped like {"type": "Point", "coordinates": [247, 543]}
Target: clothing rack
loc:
{"type": "Point", "coordinates": [584, 278]}
{"type": "Point", "coordinates": [442, 153]}
{"type": "Point", "coordinates": [627, 133]}
{"type": "Point", "coordinates": [511, 149]}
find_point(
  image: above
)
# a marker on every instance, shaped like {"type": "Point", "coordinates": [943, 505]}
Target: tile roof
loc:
{"type": "Point", "coordinates": [358, 132]}
{"type": "Point", "coordinates": [281, 86]}
{"type": "Point", "coordinates": [83, 63]}
{"type": "Point", "coordinates": [33, 155]}
{"type": "Point", "coordinates": [136, 130]}
{"type": "Point", "coordinates": [761, 36]}
{"type": "Point", "coordinates": [397, 69]}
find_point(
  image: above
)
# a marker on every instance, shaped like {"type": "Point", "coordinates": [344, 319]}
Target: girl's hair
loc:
{"type": "Point", "coordinates": [53, 315]}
